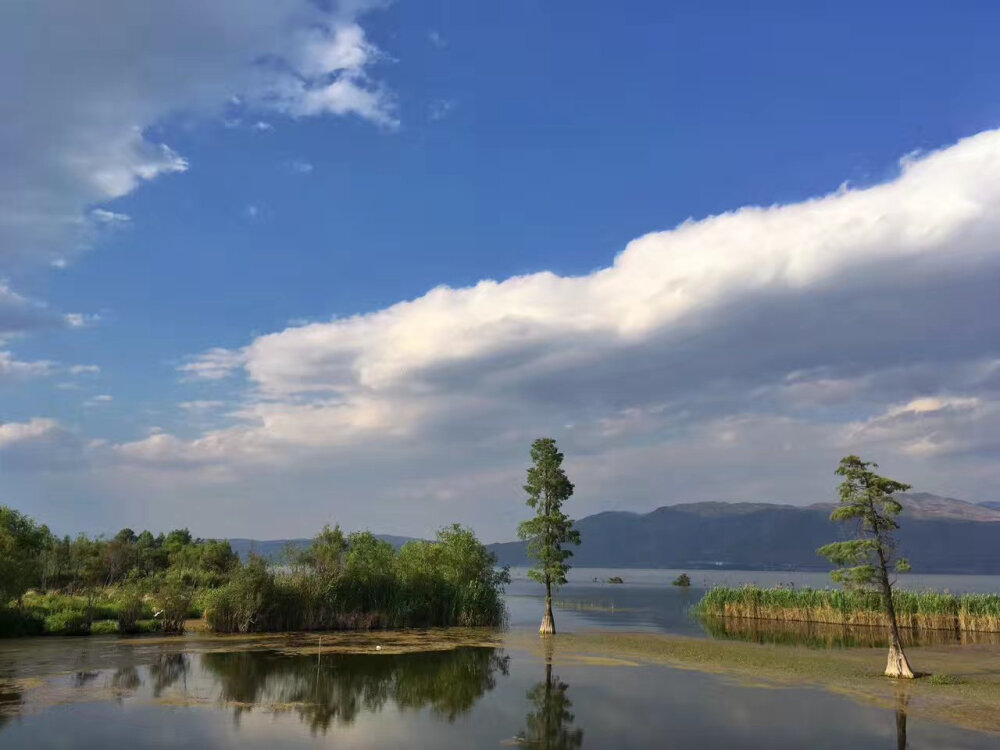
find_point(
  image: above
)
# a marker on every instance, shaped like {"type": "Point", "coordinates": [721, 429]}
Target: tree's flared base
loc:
{"type": "Point", "coordinates": [897, 665]}
{"type": "Point", "coordinates": [548, 624]}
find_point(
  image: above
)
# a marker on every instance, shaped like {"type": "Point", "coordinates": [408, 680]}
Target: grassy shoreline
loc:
{"type": "Point", "coordinates": [968, 613]}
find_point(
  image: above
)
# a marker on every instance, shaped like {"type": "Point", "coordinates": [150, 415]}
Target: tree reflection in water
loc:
{"type": "Point", "coordinates": [902, 699]}
{"type": "Point", "coordinates": [167, 670]}
{"type": "Point", "coordinates": [10, 702]}
{"type": "Point", "coordinates": [336, 688]}
{"type": "Point", "coordinates": [549, 725]}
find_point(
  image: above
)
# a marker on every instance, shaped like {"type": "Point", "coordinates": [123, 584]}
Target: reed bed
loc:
{"type": "Point", "coordinates": [926, 610]}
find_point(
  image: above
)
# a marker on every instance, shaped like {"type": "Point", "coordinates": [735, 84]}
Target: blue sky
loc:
{"type": "Point", "coordinates": [187, 198]}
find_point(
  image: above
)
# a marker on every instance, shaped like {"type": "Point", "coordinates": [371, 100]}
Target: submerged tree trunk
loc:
{"type": "Point", "coordinates": [897, 665]}
{"type": "Point", "coordinates": [548, 624]}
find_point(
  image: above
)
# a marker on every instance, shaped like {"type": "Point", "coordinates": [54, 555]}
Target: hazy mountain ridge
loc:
{"type": "Point", "coordinates": [938, 534]}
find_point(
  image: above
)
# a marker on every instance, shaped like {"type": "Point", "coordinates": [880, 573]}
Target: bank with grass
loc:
{"type": "Point", "coordinates": [925, 610]}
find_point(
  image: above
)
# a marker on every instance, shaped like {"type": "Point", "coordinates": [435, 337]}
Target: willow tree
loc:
{"type": "Point", "coordinates": [548, 488]}
{"type": "Point", "coordinates": [866, 561]}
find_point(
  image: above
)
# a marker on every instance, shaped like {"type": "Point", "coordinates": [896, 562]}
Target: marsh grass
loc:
{"type": "Point", "coordinates": [915, 610]}
{"type": "Point", "coordinates": [110, 610]}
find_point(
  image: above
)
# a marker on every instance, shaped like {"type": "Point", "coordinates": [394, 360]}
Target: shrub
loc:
{"type": "Point", "coordinates": [68, 622]}
{"type": "Point", "coordinates": [19, 623]}
{"type": "Point", "coordinates": [130, 606]}
{"type": "Point", "coordinates": [682, 580]}
{"type": "Point", "coordinates": [174, 601]}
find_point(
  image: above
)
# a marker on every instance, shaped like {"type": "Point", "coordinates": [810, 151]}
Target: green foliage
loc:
{"type": "Point", "coordinates": [243, 605]}
{"type": "Point", "coordinates": [15, 623]}
{"type": "Point", "coordinates": [368, 584]}
{"type": "Point", "coordinates": [867, 498]}
{"type": "Point", "coordinates": [130, 605]}
{"type": "Point", "coordinates": [682, 580]}
{"type": "Point", "coordinates": [68, 622]}
{"type": "Point", "coordinates": [174, 601]}
{"type": "Point", "coordinates": [22, 543]}
{"type": "Point", "coordinates": [118, 584]}
{"type": "Point", "coordinates": [548, 488]}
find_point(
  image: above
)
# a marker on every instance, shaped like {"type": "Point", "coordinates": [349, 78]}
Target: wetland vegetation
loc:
{"type": "Point", "coordinates": [134, 583]}
{"type": "Point", "coordinates": [915, 610]}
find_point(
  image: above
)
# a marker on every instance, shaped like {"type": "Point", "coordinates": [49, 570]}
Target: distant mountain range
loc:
{"type": "Point", "coordinates": [938, 535]}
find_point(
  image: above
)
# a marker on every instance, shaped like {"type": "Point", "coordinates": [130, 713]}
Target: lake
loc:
{"type": "Point", "coordinates": [273, 691]}
{"type": "Point", "coordinates": [647, 602]}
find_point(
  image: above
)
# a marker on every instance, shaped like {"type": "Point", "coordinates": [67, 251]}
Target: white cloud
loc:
{"type": "Point", "coordinates": [82, 97]}
{"type": "Point", "coordinates": [99, 400]}
{"type": "Point", "coordinates": [735, 357]}
{"type": "Point", "coordinates": [663, 305]}
{"type": "Point", "coordinates": [215, 364]}
{"type": "Point", "coordinates": [201, 405]}
{"type": "Point", "coordinates": [12, 369]}
{"type": "Point", "coordinates": [39, 445]}
{"type": "Point", "coordinates": [84, 369]}
{"type": "Point", "coordinates": [12, 433]}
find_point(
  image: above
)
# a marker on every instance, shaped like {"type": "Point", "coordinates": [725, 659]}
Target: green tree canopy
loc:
{"type": "Point", "coordinates": [548, 488]}
{"type": "Point", "coordinates": [865, 561]}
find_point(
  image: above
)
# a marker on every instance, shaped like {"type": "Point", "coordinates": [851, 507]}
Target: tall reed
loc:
{"type": "Point", "coordinates": [927, 610]}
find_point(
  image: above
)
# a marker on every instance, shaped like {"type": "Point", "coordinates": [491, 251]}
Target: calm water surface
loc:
{"type": "Point", "coordinates": [105, 692]}
{"type": "Point", "coordinates": [647, 601]}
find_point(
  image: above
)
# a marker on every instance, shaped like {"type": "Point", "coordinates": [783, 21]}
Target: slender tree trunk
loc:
{"type": "Point", "coordinates": [897, 664]}
{"type": "Point", "coordinates": [548, 623]}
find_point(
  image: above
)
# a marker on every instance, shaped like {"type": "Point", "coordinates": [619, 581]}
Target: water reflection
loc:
{"type": "Point", "coordinates": [823, 635]}
{"type": "Point", "coordinates": [126, 680]}
{"type": "Point", "coordinates": [901, 702]}
{"type": "Point", "coordinates": [548, 726]}
{"type": "Point", "coordinates": [334, 689]}
{"type": "Point", "coordinates": [10, 702]}
{"type": "Point", "coordinates": [167, 670]}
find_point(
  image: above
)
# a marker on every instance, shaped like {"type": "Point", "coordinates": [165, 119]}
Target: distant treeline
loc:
{"type": "Point", "coordinates": [138, 582]}
{"type": "Point", "coordinates": [917, 610]}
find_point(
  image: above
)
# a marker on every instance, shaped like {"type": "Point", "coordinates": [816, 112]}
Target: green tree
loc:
{"type": "Point", "coordinates": [548, 488]}
{"type": "Point", "coordinates": [866, 561]}
{"type": "Point", "coordinates": [22, 544]}
{"type": "Point", "coordinates": [325, 554]}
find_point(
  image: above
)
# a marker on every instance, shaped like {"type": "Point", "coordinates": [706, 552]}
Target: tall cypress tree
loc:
{"type": "Point", "coordinates": [548, 488]}
{"type": "Point", "coordinates": [867, 498]}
